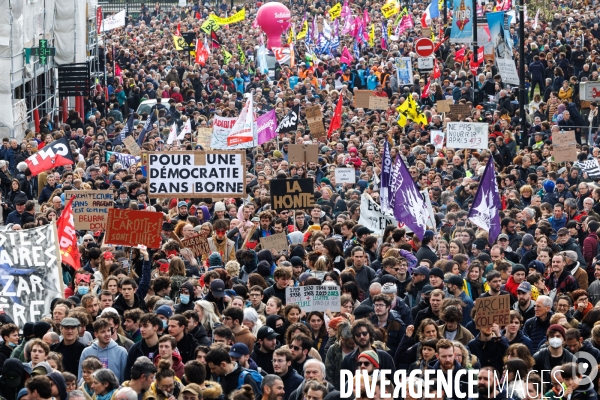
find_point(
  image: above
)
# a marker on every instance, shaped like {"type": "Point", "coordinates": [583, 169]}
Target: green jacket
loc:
{"type": "Point", "coordinates": [19, 351]}
{"type": "Point", "coordinates": [333, 364]}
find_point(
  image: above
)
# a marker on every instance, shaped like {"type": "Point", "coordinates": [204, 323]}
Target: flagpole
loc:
{"type": "Point", "coordinates": [475, 51]}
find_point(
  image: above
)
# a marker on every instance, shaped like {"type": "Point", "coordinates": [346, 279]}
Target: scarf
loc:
{"type": "Point", "coordinates": [106, 396]}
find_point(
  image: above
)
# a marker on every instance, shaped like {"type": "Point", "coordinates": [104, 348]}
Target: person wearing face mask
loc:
{"type": "Point", "coordinates": [553, 355]}
{"type": "Point", "coordinates": [164, 313]}
{"type": "Point", "coordinates": [187, 297]}
{"type": "Point", "coordinates": [10, 335]}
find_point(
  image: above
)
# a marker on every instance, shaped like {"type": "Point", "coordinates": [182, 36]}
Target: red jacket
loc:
{"type": "Point", "coordinates": [590, 248]}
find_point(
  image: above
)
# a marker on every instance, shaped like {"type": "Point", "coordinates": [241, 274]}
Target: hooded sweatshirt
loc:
{"type": "Point", "coordinates": [113, 357]}
{"type": "Point", "coordinates": [60, 383]}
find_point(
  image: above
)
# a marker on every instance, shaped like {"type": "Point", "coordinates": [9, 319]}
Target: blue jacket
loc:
{"type": "Point", "coordinates": [558, 223]}
{"type": "Point", "coordinates": [113, 357]}
{"type": "Point", "coordinates": [537, 70]}
{"type": "Point", "coordinates": [291, 381]}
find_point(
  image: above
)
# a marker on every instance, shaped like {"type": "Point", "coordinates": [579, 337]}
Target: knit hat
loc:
{"type": "Point", "coordinates": [165, 311]}
{"type": "Point", "coordinates": [116, 184]}
{"type": "Point", "coordinates": [372, 356]}
{"type": "Point", "coordinates": [334, 322]}
{"type": "Point", "coordinates": [538, 266]}
{"type": "Point", "coordinates": [277, 154]}
{"type": "Point", "coordinates": [219, 206]}
{"type": "Point", "coordinates": [389, 288]}
{"type": "Point", "coordinates": [556, 328]}
{"type": "Point", "coordinates": [215, 260]}
{"type": "Point", "coordinates": [528, 240]}
{"type": "Point", "coordinates": [436, 272]}
{"type": "Point", "coordinates": [518, 267]}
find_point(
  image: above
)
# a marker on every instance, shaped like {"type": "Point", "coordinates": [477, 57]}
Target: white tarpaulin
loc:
{"type": "Point", "coordinates": [372, 217]}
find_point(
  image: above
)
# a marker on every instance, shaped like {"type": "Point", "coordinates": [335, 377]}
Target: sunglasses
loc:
{"type": "Point", "coordinates": [361, 334]}
{"type": "Point", "coordinates": [363, 363]}
{"type": "Point", "coordinates": [88, 240]}
{"type": "Point", "coordinates": [296, 348]}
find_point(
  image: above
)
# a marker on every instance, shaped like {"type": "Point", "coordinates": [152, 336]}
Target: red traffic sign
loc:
{"type": "Point", "coordinates": [424, 47]}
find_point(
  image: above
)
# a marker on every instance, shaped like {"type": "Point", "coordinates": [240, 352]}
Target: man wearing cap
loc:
{"type": "Point", "coordinates": [264, 348]}
{"type": "Point", "coordinates": [454, 285]}
{"type": "Point", "coordinates": [70, 347]}
{"type": "Point", "coordinates": [216, 294]}
{"type": "Point", "coordinates": [419, 278]}
{"type": "Point", "coordinates": [192, 391]}
{"type": "Point", "coordinates": [566, 242]}
{"type": "Point", "coordinates": [524, 305]}
{"type": "Point", "coordinates": [123, 200]}
{"type": "Point", "coordinates": [240, 354]}
{"type": "Point", "coordinates": [427, 250]}
{"type": "Point", "coordinates": [555, 354]}
{"type": "Point", "coordinates": [16, 216]}
{"type": "Point", "coordinates": [182, 211]}
{"type": "Point", "coordinates": [282, 366]}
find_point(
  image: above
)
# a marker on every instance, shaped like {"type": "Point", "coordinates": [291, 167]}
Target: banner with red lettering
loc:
{"type": "Point", "coordinates": [67, 237]}
{"type": "Point", "coordinates": [222, 127]}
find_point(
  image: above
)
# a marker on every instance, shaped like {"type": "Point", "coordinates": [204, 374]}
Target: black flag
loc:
{"type": "Point", "coordinates": [289, 123]}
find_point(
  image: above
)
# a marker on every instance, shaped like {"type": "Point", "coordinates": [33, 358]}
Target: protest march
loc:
{"type": "Point", "coordinates": [295, 200]}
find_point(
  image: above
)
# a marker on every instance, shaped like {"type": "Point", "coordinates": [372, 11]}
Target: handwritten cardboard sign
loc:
{"type": "Point", "coordinates": [345, 175]}
{"type": "Point", "coordinates": [203, 137]}
{"type": "Point", "coordinates": [132, 146]}
{"type": "Point", "coordinates": [314, 298]}
{"type": "Point", "coordinates": [443, 105]}
{"type": "Point", "coordinates": [290, 194]}
{"type": "Point", "coordinates": [361, 98]}
{"type": "Point", "coordinates": [132, 228]}
{"type": "Point", "coordinates": [492, 310]}
{"type": "Point", "coordinates": [314, 118]}
{"type": "Point", "coordinates": [563, 144]}
{"type": "Point", "coordinates": [462, 109]}
{"type": "Point", "coordinates": [90, 208]}
{"type": "Point", "coordinates": [277, 242]}
{"type": "Point", "coordinates": [198, 245]}
{"type": "Point", "coordinates": [378, 103]}
{"type": "Point", "coordinates": [303, 153]}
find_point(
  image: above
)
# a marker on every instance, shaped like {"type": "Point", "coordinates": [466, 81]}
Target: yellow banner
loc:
{"type": "Point", "coordinates": [237, 17]}
{"type": "Point", "coordinates": [335, 11]}
{"type": "Point", "coordinates": [210, 25]}
{"type": "Point", "coordinates": [390, 8]}
{"type": "Point", "coordinates": [226, 57]}
{"type": "Point", "coordinates": [179, 43]}
{"type": "Point", "coordinates": [303, 31]}
{"type": "Point", "coordinates": [372, 36]}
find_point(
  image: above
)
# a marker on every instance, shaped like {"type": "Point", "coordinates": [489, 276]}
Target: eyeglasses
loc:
{"type": "Point", "coordinates": [361, 334]}
{"type": "Point", "coordinates": [363, 363]}
{"type": "Point", "coordinates": [296, 348]}
{"type": "Point", "coordinates": [379, 305]}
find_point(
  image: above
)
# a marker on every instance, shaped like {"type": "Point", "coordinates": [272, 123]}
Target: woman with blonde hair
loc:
{"type": "Point", "coordinates": [208, 314]}
{"type": "Point", "coordinates": [177, 275]}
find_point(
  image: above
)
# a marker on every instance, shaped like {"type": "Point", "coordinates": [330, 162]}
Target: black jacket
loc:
{"type": "Point", "coordinates": [291, 381]}
{"type": "Point", "coordinates": [229, 383]}
{"type": "Point", "coordinates": [186, 346]}
{"type": "Point", "coordinates": [199, 333]}
{"type": "Point", "coordinates": [139, 349]}
{"type": "Point", "coordinates": [263, 360]}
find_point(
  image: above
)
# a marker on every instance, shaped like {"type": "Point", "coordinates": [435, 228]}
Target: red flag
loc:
{"type": "Point", "coordinates": [201, 53]}
{"type": "Point", "coordinates": [424, 20]}
{"type": "Point", "coordinates": [459, 56]}
{"type": "Point", "coordinates": [198, 16]}
{"type": "Point", "coordinates": [117, 70]}
{"type": "Point", "coordinates": [215, 42]}
{"type": "Point", "coordinates": [425, 93]}
{"type": "Point", "coordinates": [336, 121]}
{"type": "Point", "coordinates": [437, 46]}
{"type": "Point", "coordinates": [67, 237]}
{"type": "Point", "coordinates": [56, 154]}
{"type": "Point", "coordinates": [436, 69]}
{"type": "Point", "coordinates": [178, 31]}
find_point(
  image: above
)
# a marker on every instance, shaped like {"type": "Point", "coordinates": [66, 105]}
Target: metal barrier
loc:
{"type": "Point", "coordinates": [133, 6]}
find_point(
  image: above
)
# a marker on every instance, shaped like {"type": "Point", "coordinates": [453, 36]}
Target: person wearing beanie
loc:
{"type": "Point", "coordinates": [517, 276]}
{"type": "Point", "coordinates": [215, 261]}
{"type": "Point", "coordinates": [554, 353]}
{"type": "Point", "coordinates": [436, 278]}
{"type": "Point", "coordinates": [59, 389]}
{"type": "Point", "coordinates": [277, 154]}
{"type": "Point", "coordinates": [420, 278]}
{"type": "Point", "coordinates": [428, 246]}
{"type": "Point", "coordinates": [220, 212]}
{"type": "Point", "coordinates": [368, 360]}
{"type": "Point", "coordinates": [182, 211]}
{"type": "Point", "coordinates": [590, 248]}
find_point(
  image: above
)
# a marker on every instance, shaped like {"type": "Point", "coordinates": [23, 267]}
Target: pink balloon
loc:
{"type": "Point", "coordinates": [274, 19]}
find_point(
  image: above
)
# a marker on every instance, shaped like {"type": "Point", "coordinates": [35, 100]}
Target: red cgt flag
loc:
{"type": "Point", "coordinates": [67, 237]}
{"type": "Point", "coordinates": [201, 53]}
{"type": "Point", "coordinates": [56, 154]}
{"type": "Point", "coordinates": [336, 120]}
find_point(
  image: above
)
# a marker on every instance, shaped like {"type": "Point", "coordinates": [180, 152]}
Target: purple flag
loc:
{"type": "Point", "coordinates": [409, 206]}
{"type": "Point", "coordinates": [384, 186]}
{"type": "Point", "coordinates": [486, 205]}
{"type": "Point", "coordinates": [266, 126]}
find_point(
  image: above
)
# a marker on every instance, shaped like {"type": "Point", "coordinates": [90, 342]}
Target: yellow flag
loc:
{"type": "Point", "coordinates": [421, 119]}
{"type": "Point", "coordinates": [179, 42]}
{"type": "Point", "coordinates": [210, 25]}
{"type": "Point", "coordinates": [390, 8]}
{"type": "Point", "coordinates": [389, 30]}
{"type": "Point", "coordinates": [402, 120]}
{"type": "Point", "coordinates": [441, 4]}
{"type": "Point", "coordinates": [433, 35]}
{"type": "Point", "coordinates": [303, 31]}
{"type": "Point", "coordinates": [226, 56]}
{"type": "Point", "coordinates": [402, 108]}
{"type": "Point", "coordinates": [372, 36]}
{"type": "Point", "coordinates": [237, 17]}
{"type": "Point", "coordinates": [291, 35]}
{"type": "Point", "coordinates": [335, 11]}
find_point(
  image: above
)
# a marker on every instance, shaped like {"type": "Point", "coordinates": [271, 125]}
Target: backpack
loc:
{"type": "Point", "coordinates": [256, 376]}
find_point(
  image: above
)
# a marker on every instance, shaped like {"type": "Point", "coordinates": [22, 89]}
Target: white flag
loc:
{"type": "Point", "coordinates": [172, 134]}
{"type": "Point", "coordinates": [244, 128]}
{"type": "Point", "coordinates": [535, 21]}
{"type": "Point", "coordinates": [187, 128]}
{"type": "Point", "coordinates": [114, 21]}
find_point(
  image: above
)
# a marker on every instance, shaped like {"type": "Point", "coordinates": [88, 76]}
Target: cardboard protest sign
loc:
{"type": "Point", "coordinates": [197, 174]}
{"type": "Point", "coordinates": [443, 105]}
{"type": "Point", "coordinates": [467, 135]}
{"type": "Point", "coordinates": [203, 137]}
{"type": "Point", "coordinates": [290, 194]}
{"type": "Point", "coordinates": [564, 147]}
{"type": "Point", "coordinates": [372, 217]}
{"type": "Point", "coordinates": [314, 118]}
{"type": "Point", "coordinates": [378, 103]}
{"type": "Point", "coordinates": [198, 245]}
{"type": "Point", "coordinates": [314, 298]}
{"type": "Point", "coordinates": [277, 242]}
{"type": "Point", "coordinates": [132, 146]}
{"type": "Point", "coordinates": [345, 175]}
{"type": "Point", "coordinates": [132, 228]}
{"type": "Point", "coordinates": [90, 208]}
{"type": "Point", "coordinates": [459, 109]}
{"type": "Point", "coordinates": [30, 273]}
{"type": "Point", "coordinates": [303, 153]}
{"type": "Point", "coordinates": [361, 98]}
{"type": "Point", "coordinates": [492, 310]}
